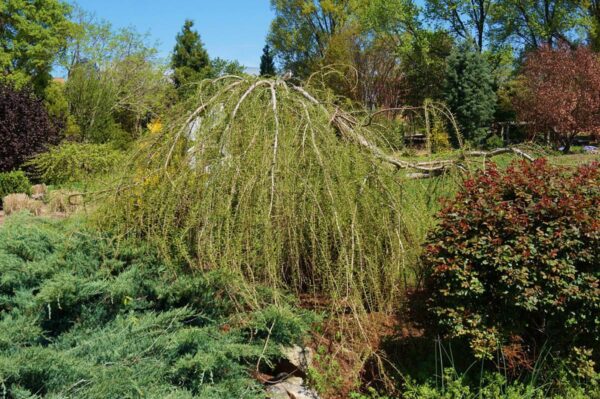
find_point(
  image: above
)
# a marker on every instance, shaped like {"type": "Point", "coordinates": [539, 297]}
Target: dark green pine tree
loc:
{"type": "Point", "coordinates": [469, 92]}
{"type": "Point", "coordinates": [267, 65]}
{"type": "Point", "coordinates": [190, 61]}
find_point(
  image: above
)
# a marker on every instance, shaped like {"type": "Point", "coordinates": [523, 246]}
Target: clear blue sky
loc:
{"type": "Point", "coordinates": [230, 29]}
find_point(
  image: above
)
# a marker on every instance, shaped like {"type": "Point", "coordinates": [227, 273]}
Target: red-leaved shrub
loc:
{"type": "Point", "coordinates": [516, 256]}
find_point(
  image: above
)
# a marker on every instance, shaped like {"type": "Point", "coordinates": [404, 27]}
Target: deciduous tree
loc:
{"type": "Point", "coordinates": [562, 93]}
{"type": "Point", "coordinates": [533, 23]}
{"type": "Point", "coordinates": [301, 31]}
{"type": "Point", "coordinates": [32, 33]}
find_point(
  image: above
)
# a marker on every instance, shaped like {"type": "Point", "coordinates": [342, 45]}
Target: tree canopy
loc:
{"type": "Point", "coordinates": [31, 34]}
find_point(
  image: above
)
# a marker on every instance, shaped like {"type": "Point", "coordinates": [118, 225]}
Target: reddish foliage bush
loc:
{"type": "Point", "coordinates": [25, 127]}
{"type": "Point", "coordinates": [517, 254]}
{"type": "Point", "coordinates": [561, 94]}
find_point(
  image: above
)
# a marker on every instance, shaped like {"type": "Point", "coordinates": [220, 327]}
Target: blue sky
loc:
{"type": "Point", "coordinates": [230, 29]}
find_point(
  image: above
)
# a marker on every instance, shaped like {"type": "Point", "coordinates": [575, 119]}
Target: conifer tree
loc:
{"type": "Point", "coordinates": [267, 66]}
{"type": "Point", "coordinates": [190, 61]}
{"type": "Point", "coordinates": [469, 92]}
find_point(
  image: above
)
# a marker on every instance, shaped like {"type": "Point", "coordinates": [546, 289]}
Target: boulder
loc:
{"type": "Point", "coordinates": [291, 388]}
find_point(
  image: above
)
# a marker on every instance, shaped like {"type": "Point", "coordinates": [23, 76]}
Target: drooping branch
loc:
{"type": "Point", "coordinates": [349, 127]}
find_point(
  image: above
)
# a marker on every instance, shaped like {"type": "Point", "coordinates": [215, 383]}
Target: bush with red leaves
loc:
{"type": "Point", "coordinates": [25, 127]}
{"type": "Point", "coordinates": [516, 258]}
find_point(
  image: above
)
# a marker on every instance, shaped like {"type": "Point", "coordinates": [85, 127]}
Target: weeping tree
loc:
{"type": "Point", "coordinates": [259, 179]}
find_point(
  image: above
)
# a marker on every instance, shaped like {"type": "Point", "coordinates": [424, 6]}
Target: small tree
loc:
{"type": "Point", "coordinates": [267, 65]}
{"type": "Point", "coordinates": [190, 61]}
{"type": "Point", "coordinates": [561, 96]}
{"type": "Point", "coordinates": [25, 127]}
{"type": "Point", "coordinates": [469, 92]}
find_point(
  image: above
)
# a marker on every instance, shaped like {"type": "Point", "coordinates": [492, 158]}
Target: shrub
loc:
{"type": "Point", "coordinates": [516, 256]}
{"type": "Point", "coordinates": [13, 182]}
{"type": "Point", "coordinates": [80, 318]}
{"type": "Point", "coordinates": [73, 162]}
{"type": "Point", "coordinates": [25, 127]}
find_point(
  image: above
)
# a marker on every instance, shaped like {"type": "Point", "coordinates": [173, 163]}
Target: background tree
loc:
{"type": "Point", "coordinates": [594, 31]}
{"type": "Point", "coordinates": [99, 43]}
{"type": "Point", "coordinates": [220, 67]}
{"type": "Point", "coordinates": [533, 23]}
{"type": "Point", "coordinates": [301, 30]}
{"type": "Point", "coordinates": [32, 33]}
{"type": "Point", "coordinates": [190, 61]}
{"type": "Point", "coordinates": [115, 84]}
{"type": "Point", "coordinates": [25, 126]}
{"type": "Point", "coordinates": [466, 19]}
{"type": "Point", "coordinates": [561, 96]}
{"type": "Point", "coordinates": [267, 65]}
{"type": "Point", "coordinates": [469, 92]}
{"type": "Point", "coordinates": [425, 64]}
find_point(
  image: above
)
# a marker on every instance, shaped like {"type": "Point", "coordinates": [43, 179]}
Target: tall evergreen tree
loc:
{"type": "Point", "coordinates": [469, 91]}
{"type": "Point", "coordinates": [267, 66]}
{"type": "Point", "coordinates": [190, 61]}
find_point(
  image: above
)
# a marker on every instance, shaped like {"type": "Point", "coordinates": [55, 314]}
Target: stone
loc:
{"type": "Point", "coordinates": [291, 388]}
{"type": "Point", "coordinates": [298, 356]}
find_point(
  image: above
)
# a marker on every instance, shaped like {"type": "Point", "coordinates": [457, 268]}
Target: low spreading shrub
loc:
{"type": "Point", "coordinates": [516, 260]}
{"type": "Point", "coordinates": [80, 318]}
{"type": "Point", "coordinates": [74, 162]}
{"type": "Point", "coordinates": [13, 182]}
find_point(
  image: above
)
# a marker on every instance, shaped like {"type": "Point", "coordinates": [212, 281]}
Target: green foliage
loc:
{"type": "Point", "coordinates": [492, 386]}
{"type": "Point", "coordinates": [267, 65]}
{"type": "Point", "coordinates": [74, 162]}
{"type": "Point", "coordinates": [272, 193]}
{"type": "Point", "coordinates": [32, 34]}
{"type": "Point", "coordinates": [532, 23]}
{"type": "Point", "coordinates": [466, 20]}
{"type": "Point", "coordinates": [57, 105]}
{"type": "Point", "coordinates": [301, 31]}
{"type": "Point", "coordinates": [80, 318]}
{"type": "Point", "coordinates": [13, 182]}
{"type": "Point", "coordinates": [515, 259]}
{"type": "Point", "coordinates": [190, 62]}
{"type": "Point", "coordinates": [425, 63]}
{"type": "Point", "coordinates": [113, 103]}
{"type": "Point", "coordinates": [221, 67]}
{"type": "Point", "coordinates": [99, 43]}
{"type": "Point", "coordinates": [469, 92]}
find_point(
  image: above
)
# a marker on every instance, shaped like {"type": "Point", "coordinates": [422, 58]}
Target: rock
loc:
{"type": "Point", "coordinates": [298, 356]}
{"type": "Point", "coordinates": [291, 388]}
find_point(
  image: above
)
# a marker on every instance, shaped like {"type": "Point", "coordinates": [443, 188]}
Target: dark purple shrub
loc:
{"type": "Point", "coordinates": [25, 127]}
